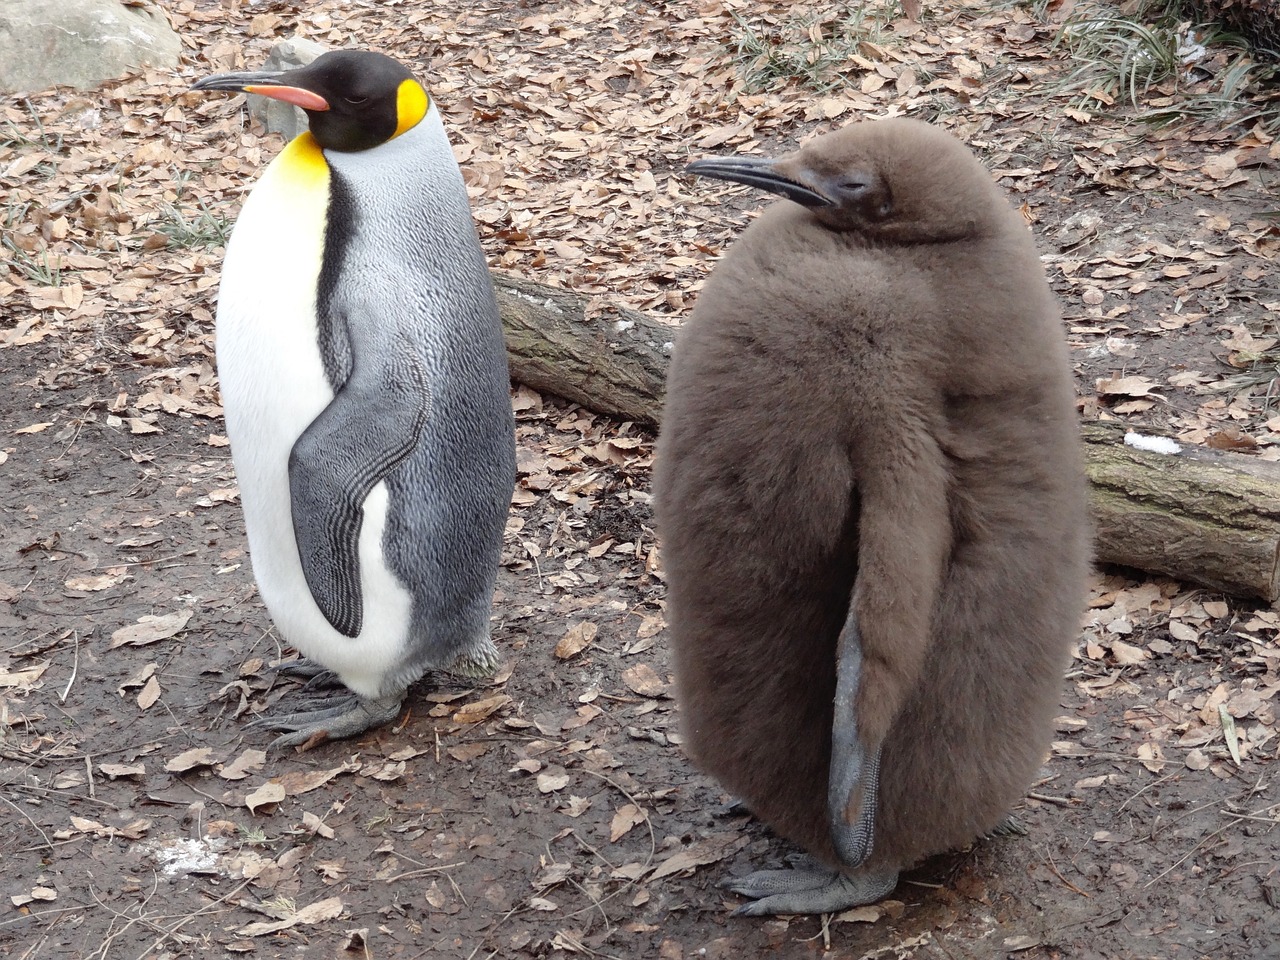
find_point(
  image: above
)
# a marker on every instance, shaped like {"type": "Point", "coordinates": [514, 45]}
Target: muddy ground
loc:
{"type": "Point", "coordinates": [551, 813]}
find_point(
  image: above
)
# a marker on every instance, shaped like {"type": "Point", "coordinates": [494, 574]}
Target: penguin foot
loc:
{"type": "Point", "coordinates": [810, 888]}
{"type": "Point", "coordinates": [1010, 826]}
{"type": "Point", "coordinates": [479, 662]}
{"type": "Point", "coordinates": [316, 676]}
{"type": "Point", "coordinates": [340, 717]}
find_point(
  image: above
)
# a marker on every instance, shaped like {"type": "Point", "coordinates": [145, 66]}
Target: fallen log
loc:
{"type": "Point", "coordinates": [1204, 516]}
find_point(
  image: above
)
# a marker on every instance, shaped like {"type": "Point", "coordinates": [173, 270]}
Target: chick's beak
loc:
{"type": "Point", "coordinates": [759, 172]}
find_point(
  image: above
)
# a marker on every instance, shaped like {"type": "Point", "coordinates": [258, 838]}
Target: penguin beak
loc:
{"type": "Point", "coordinates": [264, 84]}
{"type": "Point", "coordinates": [758, 172]}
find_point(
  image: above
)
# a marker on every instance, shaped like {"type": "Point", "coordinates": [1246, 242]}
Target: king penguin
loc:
{"type": "Point", "coordinates": [365, 387]}
{"type": "Point", "coordinates": [872, 510]}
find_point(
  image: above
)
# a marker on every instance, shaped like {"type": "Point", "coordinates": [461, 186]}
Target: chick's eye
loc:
{"type": "Point", "coordinates": [355, 100]}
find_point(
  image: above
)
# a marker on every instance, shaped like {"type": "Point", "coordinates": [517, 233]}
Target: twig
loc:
{"type": "Point", "coordinates": [88, 772]}
{"type": "Point", "coordinates": [1065, 882]}
{"type": "Point", "coordinates": [42, 913]}
{"type": "Point", "coordinates": [1182, 858]}
{"type": "Point", "coordinates": [424, 872]}
{"type": "Point", "coordinates": [1047, 798]}
{"type": "Point", "coordinates": [48, 843]}
{"type": "Point", "coordinates": [1153, 783]}
{"type": "Point", "coordinates": [185, 920]}
{"type": "Point", "coordinates": [75, 669]}
{"type": "Point", "coordinates": [64, 795]}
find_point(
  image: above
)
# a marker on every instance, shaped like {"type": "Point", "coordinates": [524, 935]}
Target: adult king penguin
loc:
{"type": "Point", "coordinates": [872, 510]}
{"type": "Point", "coordinates": [364, 381]}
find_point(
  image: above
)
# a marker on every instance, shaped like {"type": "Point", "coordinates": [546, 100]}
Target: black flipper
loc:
{"type": "Point", "coordinates": [855, 769]}
{"type": "Point", "coordinates": [372, 424]}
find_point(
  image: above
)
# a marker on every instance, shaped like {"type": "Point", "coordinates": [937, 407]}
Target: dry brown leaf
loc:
{"type": "Point", "coordinates": [319, 912]}
{"type": "Point", "coordinates": [149, 693]}
{"type": "Point", "coordinates": [697, 855]}
{"type": "Point", "coordinates": [627, 818]}
{"type": "Point", "coordinates": [17, 679]}
{"type": "Point", "coordinates": [266, 796]}
{"type": "Point", "coordinates": [466, 752]}
{"type": "Point", "coordinates": [150, 629]}
{"type": "Point", "coordinates": [576, 639]}
{"type": "Point", "coordinates": [248, 762]}
{"type": "Point", "coordinates": [91, 584]}
{"type": "Point", "coordinates": [1126, 654]}
{"type": "Point", "coordinates": [117, 770]}
{"type": "Point", "coordinates": [190, 759]}
{"type": "Point", "coordinates": [550, 782]}
{"type": "Point", "coordinates": [1126, 386]}
{"type": "Point", "coordinates": [481, 710]}
{"type": "Point", "coordinates": [643, 680]}
{"type": "Point", "coordinates": [297, 782]}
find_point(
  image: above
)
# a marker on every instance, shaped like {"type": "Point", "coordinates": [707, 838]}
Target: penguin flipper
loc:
{"type": "Point", "coordinates": [373, 422]}
{"type": "Point", "coordinates": [880, 653]}
{"type": "Point", "coordinates": [854, 779]}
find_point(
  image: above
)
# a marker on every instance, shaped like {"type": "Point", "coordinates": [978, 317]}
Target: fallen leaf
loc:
{"type": "Point", "coordinates": [698, 855]}
{"type": "Point", "coordinates": [92, 584]}
{"type": "Point", "coordinates": [481, 710]}
{"type": "Point", "coordinates": [190, 759]}
{"type": "Point", "coordinates": [267, 795]}
{"type": "Point", "coordinates": [551, 782]}
{"type": "Point", "coordinates": [643, 680]}
{"type": "Point", "coordinates": [239, 768]}
{"type": "Point", "coordinates": [297, 782]}
{"type": "Point", "coordinates": [1126, 654]}
{"type": "Point", "coordinates": [318, 912]}
{"type": "Point", "coordinates": [576, 639]}
{"type": "Point", "coordinates": [150, 629]}
{"type": "Point", "coordinates": [149, 693]}
{"type": "Point", "coordinates": [317, 826]}
{"type": "Point", "coordinates": [628, 817]}
{"type": "Point", "coordinates": [117, 770]}
{"type": "Point", "coordinates": [23, 678]}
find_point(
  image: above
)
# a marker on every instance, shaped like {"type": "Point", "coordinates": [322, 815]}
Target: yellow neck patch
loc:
{"type": "Point", "coordinates": [412, 104]}
{"type": "Point", "coordinates": [302, 162]}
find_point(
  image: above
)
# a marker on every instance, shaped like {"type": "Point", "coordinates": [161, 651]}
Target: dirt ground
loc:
{"type": "Point", "coordinates": [550, 812]}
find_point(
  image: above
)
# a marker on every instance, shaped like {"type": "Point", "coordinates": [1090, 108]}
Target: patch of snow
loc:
{"type": "Point", "coordinates": [1140, 441]}
{"type": "Point", "coordinates": [180, 856]}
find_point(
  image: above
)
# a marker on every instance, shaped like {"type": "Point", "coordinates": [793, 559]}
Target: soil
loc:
{"type": "Point", "coordinates": [550, 812]}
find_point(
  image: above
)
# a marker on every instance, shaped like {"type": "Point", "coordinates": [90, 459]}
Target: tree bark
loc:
{"type": "Point", "coordinates": [1204, 516]}
{"type": "Point", "coordinates": [608, 358]}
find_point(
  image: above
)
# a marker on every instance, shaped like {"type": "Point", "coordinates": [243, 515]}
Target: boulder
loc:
{"type": "Point", "coordinates": [80, 43]}
{"type": "Point", "coordinates": [277, 117]}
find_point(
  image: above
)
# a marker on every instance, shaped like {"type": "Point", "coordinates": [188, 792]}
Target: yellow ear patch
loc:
{"type": "Point", "coordinates": [412, 103]}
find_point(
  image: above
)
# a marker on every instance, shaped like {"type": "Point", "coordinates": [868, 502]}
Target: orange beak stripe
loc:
{"type": "Point", "coordinates": [295, 95]}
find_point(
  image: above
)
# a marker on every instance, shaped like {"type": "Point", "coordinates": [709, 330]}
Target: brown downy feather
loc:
{"type": "Point", "coordinates": [881, 397]}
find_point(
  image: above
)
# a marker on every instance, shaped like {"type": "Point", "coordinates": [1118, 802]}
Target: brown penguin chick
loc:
{"type": "Point", "coordinates": [872, 510]}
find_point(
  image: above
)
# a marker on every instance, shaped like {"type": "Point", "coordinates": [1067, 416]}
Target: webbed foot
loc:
{"type": "Point", "coordinates": [809, 888]}
{"type": "Point", "coordinates": [316, 676]}
{"type": "Point", "coordinates": [336, 718]}
{"type": "Point", "coordinates": [1010, 826]}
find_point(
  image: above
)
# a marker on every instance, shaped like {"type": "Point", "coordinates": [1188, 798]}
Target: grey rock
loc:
{"type": "Point", "coordinates": [80, 43]}
{"type": "Point", "coordinates": [280, 117]}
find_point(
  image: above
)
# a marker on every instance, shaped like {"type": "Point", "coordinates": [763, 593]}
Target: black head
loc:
{"type": "Point", "coordinates": [898, 179]}
{"type": "Point", "coordinates": [354, 99]}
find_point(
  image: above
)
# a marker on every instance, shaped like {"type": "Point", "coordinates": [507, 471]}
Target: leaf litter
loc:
{"type": "Point", "coordinates": [550, 811]}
